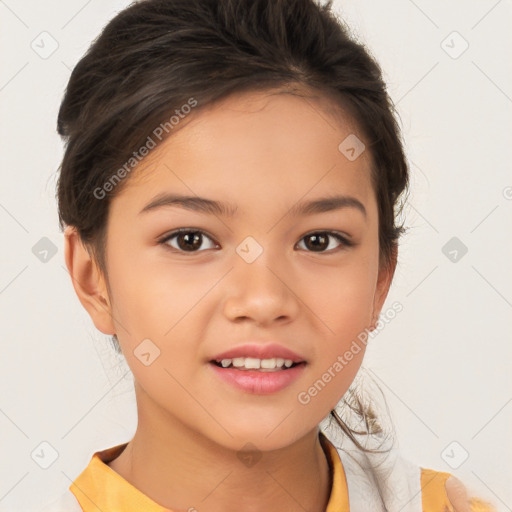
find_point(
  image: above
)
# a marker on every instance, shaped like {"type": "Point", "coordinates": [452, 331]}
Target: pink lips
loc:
{"type": "Point", "coordinates": [259, 351]}
{"type": "Point", "coordinates": [255, 381]}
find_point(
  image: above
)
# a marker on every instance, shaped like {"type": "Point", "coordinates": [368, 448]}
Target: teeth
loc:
{"type": "Point", "coordinates": [253, 363]}
{"type": "Point", "coordinates": [238, 361]}
{"type": "Point", "coordinates": [268, 363]}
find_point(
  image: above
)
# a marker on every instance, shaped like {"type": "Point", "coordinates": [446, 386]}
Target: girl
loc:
{"type": "Point", "coordinates": [229, 192]}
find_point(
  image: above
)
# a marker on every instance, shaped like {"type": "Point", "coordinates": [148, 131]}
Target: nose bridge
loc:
{"type": "Point", "coordinates": [261, 288]}
{"type": "Point", "coordinates": [258, 263]}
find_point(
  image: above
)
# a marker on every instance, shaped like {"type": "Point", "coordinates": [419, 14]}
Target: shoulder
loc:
{"type": "Point", "coordinates": [66, 502]}
{"type": "Point", "coordinates": [442, 491]}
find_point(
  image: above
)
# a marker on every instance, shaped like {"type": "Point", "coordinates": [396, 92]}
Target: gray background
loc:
{"type": "Point", "coordinates": [444, 363]}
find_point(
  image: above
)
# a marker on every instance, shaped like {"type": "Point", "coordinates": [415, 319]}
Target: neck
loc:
{"type": "Point", "coordinates": [182, 470]}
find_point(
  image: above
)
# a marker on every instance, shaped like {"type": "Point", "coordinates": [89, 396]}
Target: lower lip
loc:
{"type": "Point", "coordinates": [257, 382]}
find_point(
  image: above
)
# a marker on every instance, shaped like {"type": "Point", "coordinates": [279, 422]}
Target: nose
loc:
{"type": "Point", "coordinates": [261, 291]}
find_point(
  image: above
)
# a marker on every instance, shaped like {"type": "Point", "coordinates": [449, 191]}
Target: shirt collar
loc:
{"type": "Point", "coordinates": [338, 500]}
{"type": "Point", "coordinates": [99, 487]}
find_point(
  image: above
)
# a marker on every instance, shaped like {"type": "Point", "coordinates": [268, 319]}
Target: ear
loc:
{"type": "Point", "coordinates": [88, 281]}
{"type": "Point", "coordinates": [385, 277]}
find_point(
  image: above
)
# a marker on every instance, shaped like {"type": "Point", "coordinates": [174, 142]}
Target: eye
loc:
{"type": "Point", "coordinates": [320, 240]}
{"type": "Point", "coordinates": [188, 240]}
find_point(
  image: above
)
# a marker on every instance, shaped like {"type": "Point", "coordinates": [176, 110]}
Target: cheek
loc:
{"type": "Point", "coordinates": [342, 303]}
{"type": "Point", "coordinates": [342, 296]}
{"type": "Point", "coordinates": [150, 297]}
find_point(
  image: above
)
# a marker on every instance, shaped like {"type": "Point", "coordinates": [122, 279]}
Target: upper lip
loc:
{"type": "Point", "coordinates": [260, 351]}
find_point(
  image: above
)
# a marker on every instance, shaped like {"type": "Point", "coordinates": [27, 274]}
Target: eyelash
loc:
{"type": "Point", "coordinates": [340, 238]}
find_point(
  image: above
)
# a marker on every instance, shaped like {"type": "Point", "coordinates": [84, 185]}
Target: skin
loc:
{"type": "Point", "coordinates": [262, 152]}
{"type": "Point", "coordinates": [457, 495]}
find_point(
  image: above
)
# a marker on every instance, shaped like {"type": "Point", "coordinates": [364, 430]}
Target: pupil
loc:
{"type": "Point", "coordinates": [190, 237]}
{"type": "Point", "coordinates": [317, 238]}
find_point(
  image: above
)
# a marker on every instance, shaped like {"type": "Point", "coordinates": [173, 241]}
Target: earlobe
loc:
{"type": "Point", "coordinates": [88, 281]}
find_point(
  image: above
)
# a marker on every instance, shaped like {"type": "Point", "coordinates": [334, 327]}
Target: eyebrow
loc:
{"type": "Point", "coordinates": [203, 205]}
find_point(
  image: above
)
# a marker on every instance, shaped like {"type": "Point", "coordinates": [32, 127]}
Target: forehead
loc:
{"type": "Point", "coordinates": [284, 143]}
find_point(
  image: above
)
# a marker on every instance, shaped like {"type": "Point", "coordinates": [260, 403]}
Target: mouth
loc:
{"type": "Point", "coordinates": [254, 364]}
{"type": "Point", "coordinates": [258, 376]}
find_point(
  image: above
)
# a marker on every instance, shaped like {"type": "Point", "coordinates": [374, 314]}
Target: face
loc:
{"type": "Point", "coordinates": [260, 271]}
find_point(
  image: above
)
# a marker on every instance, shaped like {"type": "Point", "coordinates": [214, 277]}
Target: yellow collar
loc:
{"type": "Point", "coordinates": [99, 487]}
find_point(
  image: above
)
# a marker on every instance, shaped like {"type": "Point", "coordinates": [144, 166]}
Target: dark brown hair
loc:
{"type": "Point", "coordinates": [155, 55]}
